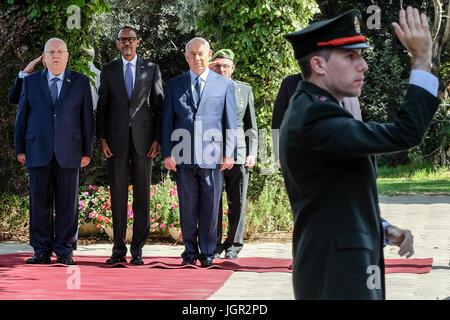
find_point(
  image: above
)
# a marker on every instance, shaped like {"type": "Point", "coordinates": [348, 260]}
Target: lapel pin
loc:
{"type": "Point", "coordinates": [68, 80]}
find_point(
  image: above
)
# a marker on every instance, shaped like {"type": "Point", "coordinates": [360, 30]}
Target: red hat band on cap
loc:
{"type": "Point", "coordinates": [343, 41]}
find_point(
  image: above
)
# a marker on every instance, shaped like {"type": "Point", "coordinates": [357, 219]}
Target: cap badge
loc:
{"type": "Point", "coordinates": [356, 22]}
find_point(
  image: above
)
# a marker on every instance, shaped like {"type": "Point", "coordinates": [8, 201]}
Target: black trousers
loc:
{"type": "Point", "coordinates": [120, 170]}
{"type": "Point", "coordinates": [236, 185]}
{"type": "Point", "coordinates": [53, 209]}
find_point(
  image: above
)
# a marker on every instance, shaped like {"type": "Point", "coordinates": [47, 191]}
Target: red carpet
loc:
{"type": "Point", "coordinates": [282, 265]}
{"type": "Point", "coordinates": [96, 281]}
{"type": "Point", "coordinates": [242, 264]}
{"type": "Point", "coordinates": [408, 265]}
{"type": "Point", "coordinates": [90, 278]}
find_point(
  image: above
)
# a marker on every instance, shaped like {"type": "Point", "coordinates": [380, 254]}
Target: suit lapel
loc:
{"type": "Point", "coordinates": [118, 70]}
{"type": "Point", "coordinates": [139, 79]}
{"type": "Point", "coordinates": [208, 84]}
{"type": "Point", "coordinates": [65, 86]}
{"type": "Point", "coordinates": [188, 90]}
{"type": "Point", "coordinates": [44, 85]}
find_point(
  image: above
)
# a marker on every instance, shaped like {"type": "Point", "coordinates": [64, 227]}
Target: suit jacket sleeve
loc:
{"type": "Point", "coordinates": [102, 103]}
{"type": "Point", "coordinates": [327, 130]}
{"type": "Point", "coordinates": [157, 100]}
{"type": "Point", "coordinates": [87, 121]}
{"type": "Point", "coordinates": [167, 123]}
{"type": "Point", "coordinates": [250, 125]}
{"type": "Point", "coordinates": [20, 127]}
{"type": "Point", "coordinates": [15, 91]}
{"type": "Point", "coordinates": [230, 122]}
{"type": "Point", "coordinates": [280, 106]}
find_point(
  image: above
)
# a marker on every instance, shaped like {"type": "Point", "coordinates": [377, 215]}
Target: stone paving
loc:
{"type": "Point", "coordinates": [428, 217]}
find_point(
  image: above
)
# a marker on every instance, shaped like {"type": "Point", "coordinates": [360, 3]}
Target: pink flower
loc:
{"type": "Point", "coordinates": [162, 225]}
{"type": "Point", "coordinates": [91, 214]}
{"type": "Point", "coordinates": [152, 193]}
{"type": "Point", "coordinates": [81, 204]}
{"type": "Point", "coordinates": [172, 225]}
{"type": "Point", "coordinates": [158, 216]}
{"type": "Point", "coordinates": [155, 225]}
{"type": "Point", "coordinates": [98, 226]}
{"type": "Point", "coordinates": [158, 206]}
{"type": "Point", "coordinates": [174, 205]}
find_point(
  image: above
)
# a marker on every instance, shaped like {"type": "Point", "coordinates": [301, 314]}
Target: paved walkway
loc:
{"type": "Point", "coordinates": [428, 217]}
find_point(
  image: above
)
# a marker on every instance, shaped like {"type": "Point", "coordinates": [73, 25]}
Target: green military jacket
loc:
{"type": "Point", "coordinates": [247, 142]}
{"type": "Point", "coordinates": [326, 162]}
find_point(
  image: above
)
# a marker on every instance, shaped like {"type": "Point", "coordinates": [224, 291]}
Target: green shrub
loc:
{"type": "Point", "coordinates": [271, 212]}
{"type": "Point", "coordinates": [14, 217]}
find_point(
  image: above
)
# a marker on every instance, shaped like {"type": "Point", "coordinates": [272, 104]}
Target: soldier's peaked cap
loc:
{"type": "Point", "coordinates": [342, 31]}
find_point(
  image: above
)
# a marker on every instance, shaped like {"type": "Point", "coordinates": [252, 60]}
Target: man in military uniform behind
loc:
{"type": "Point", "coordinates": [236, 178]}
{"type": "Point", "coordinates": [325, 156]}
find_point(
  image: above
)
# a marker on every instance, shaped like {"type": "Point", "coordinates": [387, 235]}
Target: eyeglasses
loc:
{"type": "Point", "coordinates": [218, 66]}
{"type": "Point", "coordinates": [53, 52]}
{"type": "Point", "coordinates": [129, 39]}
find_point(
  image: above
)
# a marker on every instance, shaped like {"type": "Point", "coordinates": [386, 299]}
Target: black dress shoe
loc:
{"type": "Point", "coordinates": [188, 262]}
{"type": "Point", "coordinates": [39, 258]}
{"type": "Point", "coordinates": [231, 255]}
{"type": "Point", "coordinates": [116, 259]}
{"type": "Point", "coordinates": [65, 260]}
{"type": "Point", "coordinates": [219, 249]}
{"type": "Point", "coordinates": [137, 260]}
{"type": "Point", "coordinates": [206, 262]}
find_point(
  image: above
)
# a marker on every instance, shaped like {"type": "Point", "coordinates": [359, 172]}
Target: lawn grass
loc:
{"type": "Point", "coordinates": [419, 177]}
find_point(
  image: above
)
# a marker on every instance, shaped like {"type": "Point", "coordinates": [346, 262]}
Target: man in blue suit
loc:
{"type": "Point", "coordinates": [53, 138]}
{"type": "Point", "coordinates": [199, 142]}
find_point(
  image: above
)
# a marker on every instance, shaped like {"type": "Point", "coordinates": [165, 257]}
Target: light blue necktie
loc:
{"type": "Point", "coordinates": [129, 80]}
{"type": "Point", "coordinates": [197, 90]}
{"type": "Point", "coordinates": [54, 91]}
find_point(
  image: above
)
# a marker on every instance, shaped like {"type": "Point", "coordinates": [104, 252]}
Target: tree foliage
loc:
{"type": "Point", "coordinates": [389, 69]}
{"type": "Point", "coordinates": [254, 30]}
{"type": "Point", "coordinates": [163, 26]}
{"type": "Point", "coordinates": [25, 26]}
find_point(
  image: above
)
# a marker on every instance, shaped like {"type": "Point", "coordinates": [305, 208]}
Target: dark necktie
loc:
{"type": "Point", "coordinates": [129, 80]}
{"type": "Point", "coordinates": [197, 88]}
{"type": "Point", "coordinates": [54, 91]}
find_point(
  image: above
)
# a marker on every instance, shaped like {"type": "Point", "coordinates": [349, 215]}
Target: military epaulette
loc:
{"type": "Point", "coordinates": [244, 83]}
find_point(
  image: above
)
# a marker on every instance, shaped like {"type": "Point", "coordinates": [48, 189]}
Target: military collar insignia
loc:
{"type": "Point", "coordinates": [321, 98]}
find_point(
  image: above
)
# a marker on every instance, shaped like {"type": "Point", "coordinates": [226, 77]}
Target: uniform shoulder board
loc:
{"type": "Point", "coordinates": [244, 83]}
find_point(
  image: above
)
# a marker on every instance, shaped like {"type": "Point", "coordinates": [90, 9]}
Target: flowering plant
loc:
{"type": "Point", "coordinates": [164, 211]}
{"type": "Point", "coordinates": [95, 206]}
